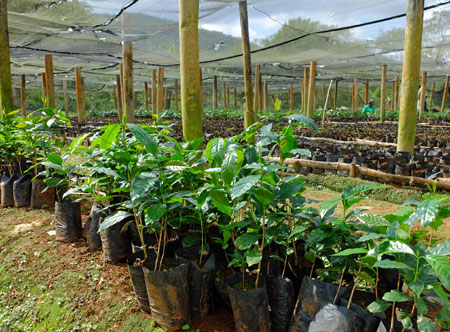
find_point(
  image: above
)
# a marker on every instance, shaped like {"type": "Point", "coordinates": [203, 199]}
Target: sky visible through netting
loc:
{"type": "Point", "coordinates": [88, 34]}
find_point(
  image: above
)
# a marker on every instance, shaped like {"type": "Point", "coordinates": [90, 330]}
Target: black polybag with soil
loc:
{"type": "Point", "coordinates": [7, 196]}
{"type": "Point", "coordinates": [332, 317]}
{"type": "Point", "coordinates": [22, 191]}
{"type": "Point", "coordinates": [312, 296]}
{"type": "Point", "coordinates": [371, 322]}
{"type": "Point", "coordinates": [135, 262]}
{"type": "Point", "coordinates": [201, 282]}
{"type": "Point", "coordinates": [68, 221]}
{"type": "Point", "coordinates": [250, 309]}
{"type": "Point", "coordinates": [40, 198]}
{"type": "Point", "coordinates": [92, 225]}
{"type": "Point", "coordinates": [115, 243]}
{"type": "Point", "coordinates": [281, 296]}
{"type": "Point", "coordinates": [168, 294]}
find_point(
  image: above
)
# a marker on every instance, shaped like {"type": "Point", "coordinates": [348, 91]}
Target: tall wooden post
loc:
{"type": "Point", "coordinates": [432, 96]}
{"type": "Point", "coordinates": [6, 90]}
{"type": "Point", "coordinates": [201, 92]}
{"type": "Point", "coordinates": [315, 98]}
{"type": "Point", "coordinates": [160, 92]}
{"type": "Point", "coordinates": [395, 96]}
{"type": "Point", "coordinates": [128, 86]}
{"type": "Point", "coordinates": [119, 95]}
{"type": "Point", "coordinates": [80, 96]}
{"type": "Point", "coordinates": [22, 95]}
{"type": "Point", "coordinates": [235, 98]}
{"type": "Point", "coordinates": [423, 94]}
{"type": "Point", "coordinates": [257, 99]}
{"type": "Point", "coordinates": [154, 92]}
{"type": "Point", "coordinates": [383, 94]}
{"type": "Point", "coordinates": [335, 94]}
{"type": "Point", "coordinates": [249, 114]}
{"type": "Point", "coordinates": [50, 86]}
{"type": "Point", "coordinates": [175, 87]}
{"type": "Point", "coordinates": [215, 96]}
{"type": "Point", "coordinates": [410, 76]}
{"type": "Point", "coordinates": [311, 89]}
{"type": "Point", "coordinates": [356, 93]}
{"type": "Point", "coordinates": [224, 95]}
{"type": "Point", "coordinates": [324, 97]}
{"type": "Point", "coordinates": [66, 99]}
{"type": "Point", "coordinates": [444, 97]}
{"type": "Point", "coordinates": [306, 73]}
{"type": "Point", "coordinates": [228, 96]}
{"type": "Point", "coordinates": [166, 97]}
{"type": "Point", "coordinates": [146, 95]}
{"type": "Point", "coordinates": [44, 90]}
{"type": "Point", "coordinates": [291, 97]}
{"type": "Point", "coordinates": [353, 97]}
{"type": "Point", "coordinates": [366, 95]}
{"type": "Point", "coordinates": [191, 103]}
{"type": "Point", "coordinates": [265, 97]}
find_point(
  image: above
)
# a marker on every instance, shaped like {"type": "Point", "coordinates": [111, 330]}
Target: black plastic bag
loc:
{"type": "Point", "coordinates": [138, 279]}
{"type": "Point", "coordinates": [222, 287]}
{"type": "Point", "coordinates": [371, 322]}
{"type": "Point", "coordinates": [281, 295]}
{"type": "Point", "coordinates": [332, 317]}
{"type": "Point", "coordinates": [68, 221]}
{"type": "Point", "coordinates": [92, 225]}
{"type": "Point", "coordinates": [250, 309]}
{"type": "Point", "coordinates": [115, 243]}
{"type": "Point", "coordinates": [168, 294]}
{"type": "Point", "coordinates": [313, 294]}
{"type": "Point", "coordinates": [22, 191]}
{"type": "Point", "coordinates": [6, 184]}
{"type": "Point", "coordinates": [201, 281]}
{"type": "Point", "coordinates": [40, 199]}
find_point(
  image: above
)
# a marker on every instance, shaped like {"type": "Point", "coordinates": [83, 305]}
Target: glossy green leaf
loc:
{"type": "Point", "coordinates": [441, 266]}
{"type": "Point", "coordinates": [373, 220]}
{"type": "Point", "coordinates": [378, 306]}
{"type": "Point", "coordinates": [388, 264]}
{"type": "Point", "coordinates": [155, 212]}
{"type": "Point", "coordinates": [109, 136]}
{"type": "Point", "coordinates": [246, 240]}
{"type": "Point", "coordinates": [396, 247]}
{"type": "Point", "coordinates": [229, 167]}
{"type": "Point", "coordinates": [253, 257]}
{"type": "Point", "coordinates": [264, 196]}
{"type": "Point", "coordinates": [277, 104]}
{"type": "Point", "coordinates": [425, 324]}
{"type": "Point", "coordinates": [243, 185]}
{"type": "Point", "coordinates": [425, 213]}
{"type": "Point", "coordinates": [403, 232]}
{"type": "Point", "coordinates": [144, 137]}
{"type": "Point", "coordinates": [55, 159]}
{"type": "Point", "coordinates": [221, 202]}
{"type": "Point", "coordinates": [303, 121]}
{"type": "Point", "coordinates": [396, 296]}
{"type": "Point", "coordinates": [113, 220]}
{"type": "Point", "coordinates": [406, 319]}
{"type": "Point", "coordinates": [352, 251]}
{"type": "Point", "coordinates": [141, 186]}
{"type": "Point", "coordinates": [441, 249]}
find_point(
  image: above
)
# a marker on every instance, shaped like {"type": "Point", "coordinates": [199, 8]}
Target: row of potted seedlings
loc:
{"type": "Point", "coordinates": [193, 222]}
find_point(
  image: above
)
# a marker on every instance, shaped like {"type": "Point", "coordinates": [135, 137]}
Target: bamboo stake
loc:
{"type": "Point", "coordinates": [326, 103]}
{"type": "Point", "coordinates": [444, 97]}
{"type": "Point", "coordinates": [6, 90]}
{"type": "Point", "coordinates": [265, 89]}
{"type": "Point", "coordinates": [257, 99]}
{"type": "Point", "coordinates": [80, 95]}
{"type": "Point", "coordinates": [397, 89]}
{"type": "Point", "coordinates": [146, 95]}
{"type": "Point", "coordinates": [215, 98]}
{"type": "Point", "coordinates": [356, 93]}
{"type": "Point", "coordinates": [423, 94]}
{"type": "Point", "coordinates": [175, 87]}
{"type": "Point", "coordinates": [119, 95]}
{"type": "Point", "coordinates": [261, 93]}
{"type": "Point", "coordinates": [249, 114]}
{"type": "Point", "coordinates": [191, 81]}
{"type": "Point", "coordinates": [66, 99]}
{"type": "Point", "coordinates": [410, 75]}
{"type": "Point", "coordinates": [44, 91]}
{"type": "Point", "coordinates": [366, 95]}
{"type": "Point", "coordinates": [323, 95]}
{"type": "Point", "coordinates": [383, 94]}
{"type": "Point", "coordinates": [224, 95]}
{"type": "Point", "coordinates": [335, 94]}
{"type": "Point", "coordinates": [291, 97]}
{"type": "Point", "coordinates": [128, 103]}
{"type": "Point", "coordinates": [22, 95]}
{"type": "Point", "coordinates": [235, 98]}
{"type": "Point", "coordinates": [311, 89]}
{"type": "Point", "coordinates": [160, 91]}
{"type": "Point", "coordinates": [154, 93]}
{"type": "Point", "coordinates": [432, 96]}
{"type": "Point", "coordinates": [120, 85]}
{"type": "Point", "coordinates": [50, 81]}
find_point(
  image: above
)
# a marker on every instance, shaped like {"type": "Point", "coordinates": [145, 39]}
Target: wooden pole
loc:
{"type": "Point", "coordinates": [396, 93]}
{"type": "Point", "coordinates": [44, 91]}
{"type": "Point", "coordinates": [249, 114]}
{"type": "Point", "coordinates": [121, 114]}
{"type": "Point", "coordinates": [353, 97]}
{"type": "Point", "coordinates": [315, 97]}
{"type": "Point", "coordinates": [432, 96]}
{"type": "Point", "coordinates": [80, 95]}
{"type": "Point", "coordinates": [128, 86]}
{"type": "Point", "coordinates": [22, 95]}
{"type": "Point", "coordinates": [228, 96]}
{"type": "Point", "coordinates": [311, 89]}
{"type": "Point", "coordinates": [191, 83]}
{"type": "Point", "coordinates": [224, 95]}
{"type": "Point", "coordinates": [66, 99]}
{"type": "Point", "coordinates": [166, 97]}
{"type": "Point", "coordinates": [291, 97]}
{"type": "Point", "coordinates": [215, 96]}
{"type": "Point", "coordinates": [50, 86]}
{"type": "Point", "coordinates": [265, 96]}
{"type": "Point", "coordinates": [256, 104]}
{"type": "Point", "coordinates": [444, 97]}
{"type": "Point", "coordinates": [235, 98]}
{"type": "Point", "coordinates": [366, 95]}
{"type": "Point", "coordinates": [356, 92]}
{"type": "Point", "coordinates": [6, 90]}
{"type": "Point", "coordinates": [119, 94]}
{"type": "Point", "coordinates": [146, 95]}
{"type": "Point", "coordinates": [261, 93]}
{"type": "Point", "coordinates": [323, 95]}
{"type": "Point", "coordinates": [154, 92]}
{"type": "Point", "coordinates": [175, 87]}
{"type": "Point", "coordinates": [423, 94]}
{"type": "Point", "coordinates": [201, 93]}
{"type": "Point", "coordinates": [335, 94]}
{"type": "Point", "coordinates": [160, 92]}
{"type": "Point", "coordinates": [326, 103]}
{"type": "Point", "coordinates": [306, 75]}
{"type": "Point", "coordinates": [383, 94]}
{"type": "Point", "coordinates": [410, 76]}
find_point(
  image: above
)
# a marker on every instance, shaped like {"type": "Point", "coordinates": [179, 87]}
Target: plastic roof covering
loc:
{"type": "Point", "coordinates": [89, 33]}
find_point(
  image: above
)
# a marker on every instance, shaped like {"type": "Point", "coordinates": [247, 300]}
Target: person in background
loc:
{"type": "Point", "coordinates": [369, 108]}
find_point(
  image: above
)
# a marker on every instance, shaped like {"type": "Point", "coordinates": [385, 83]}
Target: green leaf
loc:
{"type": "Point", "coordinates": [425, 213]}
{"type": "Point", "coordinates": [191, 240]}
{"type": "Point", "coordinates": [109, 136]}
{"type": "Point", "coordinates": [185, 327]}
{"type": "Point", "coordinates": [253, 257]}
{"type": "Point", "coordinates": [55, 159]}
{"type": "Point", "coordinates": [176, 165]}
{"type": "Point", "coordinates": [264, 196]}
{"type": "Point", "coordinates": [155, 212]}
{"type": "Point", "coordinates": [425, 324]}
{"type": "Point", "coordinates": [378, 306]}
{"type": "Point", "coordinates": [287, 190]}
{"type": "Point", "coordinates": [243, 185]}
{"type": "Point", "coordinates": [141, 186]}
{"type": "Point", "coordinates": [396, 247]}
{"type": "Point", "coordinates": [371, 236]}
{"type": "Point", "coordinates": [441, 266]}
{"type": "Point", "coordinates": [77, 141]}
{"type": "Point", "coordinates": [229, 167]}
{"type": "Point", "coordinates": [52, 165]}
{"type": "Point", "coordinates": [303, 121]}
{"type": "Point", "coordinates": [144, 137]}
{"type": "Point", "coordinates": [113, 220]}
{"type": "Point", "coordinates": [396, 296]}
{"type": "Point", "coordinates": [221, 202]}
{"type": "Point", "coordinates": [406, 319]}
{"type": "Point", "coordinates": [297, 230]}
{"type": "Point", "coordinates": [328, 206]}
{"type": "Point", "coordinates": [352, 251]}
{"type": "Point", "coordinates": [388, 264]}
{"type": "Point", "coordinates": [277, 104]}
{"type": "Point", "coordinates": [246, 240]}
{"type": "Point", "coordinates": [362, 188]}
{"type": "Point", "coordinates": [403, 232]}
{"type": "Point", "coordinates": [441, 249]}
{"type": "Point", "coordinates": [373, 220]}
{"type": "Point", "coordinates": [216, 149]}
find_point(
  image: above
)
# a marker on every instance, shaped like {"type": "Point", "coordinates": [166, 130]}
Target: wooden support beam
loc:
{"type": "Point", "coordinates": [215, 94]}
{"type": "Point", "coordinates": [306, 77]}
{"type": "Point", "coordinates": [50, 82]}
{"type": "Point", "coordinates": [353, 97]}
{"type": "Point", "coordinates": [396, 93]}
{"type": "Point", "coordinates": [335, 93]}
{"type": "Point", "coordinates": [423, 94]}
{"type": "Point", "coordinates": [355, 82]}
{"type": "Point", "coordinates": [6, 90]}
{"type": "Point", "coordinates": [166, 97]}
{"type": "Point", "coordinates": [410, 76]}
{"type": "Point", "coordinates": [119, 95]}
{"type": "Point", "coordinates": [444, 97]}
{"type": "Point", "coordinates": [432, 96]}
{"type": "Point", "coordinates": [315, 98]}
{"type": "Point", "coordinates": [146, 95]}
{"type": "Point", "coordinates": [128, 102]}
{"type": "Point", "coordinates": [22, 95]}
{"type": "Point", "coordinates": [154, 92]}
{"type": "Point", "coordinates": [383, 94]}
{"type": "Point", "coordinates": [311, 89]}
{"type": "Point", "coordinates": [291, 97]}
{"type": "Point", "coordinates": [257, 99]}
{"type": "Point", "coordinates": [160, 92]}
{"type": "Point", "coordinates": [66, 99]}
{"type": "Point", "coordinates": [175, 87]}
{"type": "Point", "coordinates": [228, 96]}
{"type": "Point", "coordinates": [81, 107]}
{"type": "Point", "coordinates": [44, 90]}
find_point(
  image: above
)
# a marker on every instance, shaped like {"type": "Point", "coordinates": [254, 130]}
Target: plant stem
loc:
{"type": "Point", "coordinates": [354, 288]}
{"type": "Point", "coordinates": [393, 305]}
{"type": "Point", "coordinates": [340, 285]}
{"type": "Point", "coordinates": [312, 267]}
{"type": "Point", "coordinates": [285, 261]}
{"type": "Point", "coordinates": [376, 283]}
{"type": "Point", "coordinates": [412, 313]}
{"type": "Point", "coordinates": [203, 243]}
